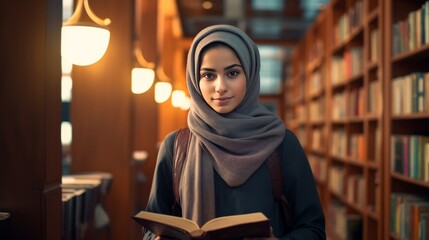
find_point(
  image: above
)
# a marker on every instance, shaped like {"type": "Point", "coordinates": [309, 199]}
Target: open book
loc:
{"type": "Point", "coordinates": [227, 227]}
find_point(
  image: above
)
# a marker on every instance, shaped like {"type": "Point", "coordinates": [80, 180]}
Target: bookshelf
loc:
{"type": "Point", "coordinates": [296, 91]}
{"type": "Point", "coordinates": [343, 73]}
{"type": "Point", "coordinates": [315, 70]}
{"type": "Point", "coordinates": [354, 157]}
{"type": "Point", "coordinates": [406, 153]}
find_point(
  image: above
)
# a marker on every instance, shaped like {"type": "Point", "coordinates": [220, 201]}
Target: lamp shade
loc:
{"type": "Point", "coordinates": [83, 44]}
{"type": "Point", "coordinates": [162, 91]}
{"type": "Point", "coordinates": [177, 98]}
{"type": "Point", "coordinates": [141, 79]}
{"type": "Point", "coordinates": [186, 103]}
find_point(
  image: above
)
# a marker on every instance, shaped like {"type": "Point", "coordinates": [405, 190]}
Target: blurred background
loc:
{"type": "Point", "coordinates": [102, 137]}
{"type": "Point", "coordinates": [113, 130]}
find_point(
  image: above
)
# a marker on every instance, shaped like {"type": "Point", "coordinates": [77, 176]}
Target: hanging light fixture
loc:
{"type": "Point", "coordinates": [142, 76]}
{"type": "Point", "coordinates": [163, 88]}
{"type": "Point", "coordinates": [84, 43]}
{"type": "Point", "coordinates": [162, 91]}
{"type": "Point", "coordinates": [177, 98]}
{"type": "Point", "coordinates": [186, 103]}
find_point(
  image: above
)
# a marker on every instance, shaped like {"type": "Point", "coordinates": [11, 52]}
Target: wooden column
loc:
{"type": "Point", "coordinates": [101, 116]}
{"type": "Point", "coordinates": [145, 109]}
{"type": "Point", "coordinates": [30, 103]}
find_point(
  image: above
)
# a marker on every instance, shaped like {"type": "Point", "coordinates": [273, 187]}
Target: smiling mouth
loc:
{"type": "Point", "coordinates": [222, 101]}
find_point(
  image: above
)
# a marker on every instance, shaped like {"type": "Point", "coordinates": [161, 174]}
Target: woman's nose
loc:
{"type": "Point", "coordinates": [221, 85]}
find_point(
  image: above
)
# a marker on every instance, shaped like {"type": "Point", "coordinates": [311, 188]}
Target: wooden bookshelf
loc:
{"type": "Point", "coordinates": [344, 78]}
{"type": "Point", "coordinates": [355, 75]}
{"type": "Point", "coordinates": [362, 107]}
{"type": "Point", "coordinates": [315, 78]}
{"type": "Point", "coordinates": [298, 110]}
{"type": "Point", "coordinates": [406, 117]}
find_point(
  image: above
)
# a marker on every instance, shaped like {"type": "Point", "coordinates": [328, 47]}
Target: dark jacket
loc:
{"type": "Point", "coordinates": [256, 194]}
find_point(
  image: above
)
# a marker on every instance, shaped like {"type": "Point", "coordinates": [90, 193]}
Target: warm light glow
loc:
{"type": "Point", "coordinates": [207, 5]}
{"type": "Point", "coordinates": [141, 79]}
{"type": "Point", "coordinates": [66, 133]}
{"type": "Point", "coordinates": [162, 91]}
{"type": "Point", "coordinates": [66, 88]}
{"type": "Point", "coordinates": [83, 45]}
{"type": "Point", "coordinates": [66, 66]}
{"type": "Point", "coordinates": [177, 98]}
{"type": "Point", "coordinates": [186, 103]}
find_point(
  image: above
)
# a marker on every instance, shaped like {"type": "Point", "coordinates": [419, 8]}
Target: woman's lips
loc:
{"type": "Point", "coordinates": [222, 101]}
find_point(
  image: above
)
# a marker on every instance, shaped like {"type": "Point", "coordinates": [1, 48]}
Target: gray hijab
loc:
{"type": "Point", "coordinates": [234, 144]}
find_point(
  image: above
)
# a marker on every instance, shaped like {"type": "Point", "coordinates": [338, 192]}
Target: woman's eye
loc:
{"type": "Point", "coordinates": [208, 76]}
{"type": "Point", "coordinates": [233, 74]}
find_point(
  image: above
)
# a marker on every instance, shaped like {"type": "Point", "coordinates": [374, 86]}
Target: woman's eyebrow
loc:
{"type": "Point", "coordinates": [225, 68]}
{"type": "Point", "coordinates": [208, 69]}
{"type": "Point", "coordinates": [232, 66]}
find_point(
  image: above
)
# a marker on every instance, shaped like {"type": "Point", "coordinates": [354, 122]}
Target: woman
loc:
{"type": "Point", "coordinates": [231, 137]}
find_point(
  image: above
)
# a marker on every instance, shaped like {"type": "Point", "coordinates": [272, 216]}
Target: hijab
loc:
{"type": "Point", "coordinates": [234, 144]}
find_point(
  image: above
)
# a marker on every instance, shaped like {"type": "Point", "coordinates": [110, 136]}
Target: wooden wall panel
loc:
{"type": "Point", "coordinates": [30, 106]}
{"type": "Point", "coordinates": [101, 116]}
{"type": "Point", "coordinates": [145, 110]}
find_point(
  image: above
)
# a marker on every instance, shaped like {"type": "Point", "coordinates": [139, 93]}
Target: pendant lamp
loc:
{"type": "Point", "coordinates": [84, 43]}
{"type": "Point", "coordinates": [142, 75]}
{"type": "Point", "coordinates": [163, 88]}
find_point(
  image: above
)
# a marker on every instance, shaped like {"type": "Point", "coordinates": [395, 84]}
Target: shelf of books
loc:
{"type": "Point", "coordinates": [343, 78]}
{"type": "Point", "coordinates": [315, 97]}
{"type": "Point", "coordinates": [406, 155]}
{"type": "Point", "coordinates": [354, 162]}
{"type": "Point", "coordinates": [298, 110]}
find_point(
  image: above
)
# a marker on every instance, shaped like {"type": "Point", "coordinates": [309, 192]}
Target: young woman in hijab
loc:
{"type": "Point", "coordinates": [232, 135]}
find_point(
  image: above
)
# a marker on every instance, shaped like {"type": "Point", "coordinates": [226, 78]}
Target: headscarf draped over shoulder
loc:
{"type": "Point", "coordinates": [235, 144]}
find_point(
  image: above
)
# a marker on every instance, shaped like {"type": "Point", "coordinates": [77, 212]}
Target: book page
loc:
{"type": "Point", "coordinates": [227, 221]}
{"type": "Point", "coordinates": [175, 222]}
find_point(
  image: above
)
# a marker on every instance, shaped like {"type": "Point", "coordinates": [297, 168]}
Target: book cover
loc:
{"type": "Point", "coordinates": [420, 92]}
{"type": "Point", "coordinates": [397, 155]}
{"type": "Point", "coordinates": [227, 227]}
{"type": "Point", "coordinates": [417, 211]}
{"type": "Point", "coordinates": [426, 162]}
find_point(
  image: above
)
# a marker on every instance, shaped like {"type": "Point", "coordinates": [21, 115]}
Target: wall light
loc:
{"type": "Point", "coordinates": [163, 88]}
{"type": "Point", "coordinates": [84, 43]}
{"type": "Point", "coordinates": [141, 79]}
{"type": "Point", "coordinates": [186, 104]}
{"type": "Point", "coordinates": [66, 67]}
{"type": "Point", "coordinates": [162, 91]}
{"type": "Point", "coordinates": [142, 76]}
{"type": "Point", "coordinates": [177, 98]}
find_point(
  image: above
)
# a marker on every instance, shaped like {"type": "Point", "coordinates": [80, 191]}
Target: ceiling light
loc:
{"type": "Point", "coordinates": [177, 98]}
{"type": "Point", "coordinates": [186, 104]}
{"type": "Point", "coordinates": [141, 79]}
{"type": "Point", "coordinates": [143, 75]}
{"type": "Point", "coordinates": [84, 43]}
{"type": "Point", "coordinates": [162, 91]}
{"type": "Point", "coordinates": [163, 88]}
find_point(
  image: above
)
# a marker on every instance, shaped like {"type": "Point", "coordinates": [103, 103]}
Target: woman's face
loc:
{"type": "Point", "coordinates": [222, 79]}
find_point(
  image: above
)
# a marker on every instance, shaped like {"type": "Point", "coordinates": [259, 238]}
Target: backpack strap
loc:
{"type": "Point", "coordinates": [179, 156]}
{"type": "Point", "coordinates": [273, 164]}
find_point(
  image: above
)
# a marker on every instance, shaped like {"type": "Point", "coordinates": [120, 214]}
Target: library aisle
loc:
{"type": "Point", "coordinates": [358, 100]}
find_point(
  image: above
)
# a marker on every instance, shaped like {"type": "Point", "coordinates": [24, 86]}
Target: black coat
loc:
{"type": "Point", "coordinates": [256, 194]}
